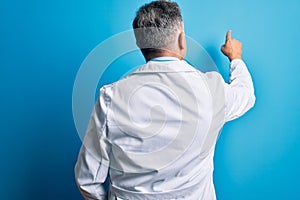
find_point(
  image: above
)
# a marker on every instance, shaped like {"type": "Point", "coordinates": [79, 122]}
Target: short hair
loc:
{"type": "Point", "coordinates": [156, 25]}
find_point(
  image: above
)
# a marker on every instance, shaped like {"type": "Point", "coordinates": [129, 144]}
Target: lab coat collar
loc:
{"type": "Point", "coordinates": [165, 64]}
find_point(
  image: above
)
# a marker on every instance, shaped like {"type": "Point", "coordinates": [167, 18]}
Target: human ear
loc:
{"type": "Point", "coordinates": [181, 40]}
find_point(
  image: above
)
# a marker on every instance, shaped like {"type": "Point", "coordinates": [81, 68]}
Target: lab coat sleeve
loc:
{"type": "Point", "coordinates": [239, 93]}
{"type": "Point", "coordinates": [92, 165]}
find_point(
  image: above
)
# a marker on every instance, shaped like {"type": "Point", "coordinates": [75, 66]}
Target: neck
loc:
{"type": "Point", "coordinates": [162, 54]}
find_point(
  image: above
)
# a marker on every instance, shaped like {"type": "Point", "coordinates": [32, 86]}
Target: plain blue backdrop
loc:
{"type": "Point", "coordinates": [43, 44]}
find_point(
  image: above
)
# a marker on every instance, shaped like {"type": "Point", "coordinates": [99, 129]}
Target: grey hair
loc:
{"type": "Point", "coordinates": [157, 24]}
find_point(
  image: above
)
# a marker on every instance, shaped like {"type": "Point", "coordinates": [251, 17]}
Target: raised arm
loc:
{"type": "Point", "coordinates": [239, 93]}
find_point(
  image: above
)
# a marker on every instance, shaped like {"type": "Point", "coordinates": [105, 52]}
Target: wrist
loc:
{"type": "Point", "coordinates": [231, 58]}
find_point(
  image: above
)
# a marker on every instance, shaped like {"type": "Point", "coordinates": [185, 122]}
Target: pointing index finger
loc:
{"type": "Point", "coordinates": [228, 35]}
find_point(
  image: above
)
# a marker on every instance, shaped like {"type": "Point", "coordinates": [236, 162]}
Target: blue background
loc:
{"type": "Point", "coordinates": [43, 44]}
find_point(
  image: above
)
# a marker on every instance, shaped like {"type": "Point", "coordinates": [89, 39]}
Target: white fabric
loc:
{"type": "Point", "coordinates": [155, 131]}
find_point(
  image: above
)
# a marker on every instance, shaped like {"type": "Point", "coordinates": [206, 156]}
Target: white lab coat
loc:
{"type": "Point", "coordinates": [154, 131]}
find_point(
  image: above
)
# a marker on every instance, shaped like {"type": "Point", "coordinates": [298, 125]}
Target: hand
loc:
{"type": "Point", "coordinates": [232, 47]}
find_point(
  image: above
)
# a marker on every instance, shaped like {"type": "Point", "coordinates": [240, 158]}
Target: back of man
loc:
{"type": "Point", "coordinates": [162, 130]}
{"type": "Point", "coordinates": [155, 130]}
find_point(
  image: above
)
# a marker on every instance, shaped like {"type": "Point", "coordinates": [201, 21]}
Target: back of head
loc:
{"type": "Point", "coordinates": [157, 26]}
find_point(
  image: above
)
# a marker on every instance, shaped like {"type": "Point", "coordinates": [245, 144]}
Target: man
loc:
{"type": "Point", "coordinates": [154, 131]}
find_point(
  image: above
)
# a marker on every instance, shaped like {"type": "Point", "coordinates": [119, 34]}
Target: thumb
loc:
{"type": "Point", "coordinates": [223, 48]}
